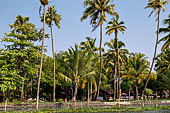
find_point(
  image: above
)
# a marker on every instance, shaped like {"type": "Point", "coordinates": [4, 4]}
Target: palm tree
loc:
{"type": "Point", "coordinates": [155, 5]}
{"type": "Point", "coordinates": [78, 65]}
{"type": "Point", "coordinates": [165, 31]}
{"type": "Point", "coordinates": [89, 47]}
{"type": "Point", "coordinates": [44, 3]}
{"type": "Point", "coordinates": [137, 69]}
{"type": "Point", "coordinates": [52, 16]}
{"type": "Point", "coordinates": [96, 10]}
{"type": "Point", "coordinates": [115, 26]}
{"type": "Point", "coordinates": [163, 61]}
{"type": "Point", "coordinates": [111, 55]}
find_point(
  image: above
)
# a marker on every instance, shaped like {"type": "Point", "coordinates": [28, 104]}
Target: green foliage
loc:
{"type": "Point", "coordinates": [115, 25]}
{"type": "Point", "coordinates": [165, 39]}
{"type": "Point", "coordinates": [52, 16]}
{"type": "Point", "coordinates": [60, 100]}
{"type": "Point", "coordinates": [96, 10]}
{"type": "Point", "coordinates": [148, 92]}
{"type": "Point", "coordinates": [20, 56]}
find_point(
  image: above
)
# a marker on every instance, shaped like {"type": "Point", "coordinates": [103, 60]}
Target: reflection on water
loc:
{"type": "Point", "coordinates": [157, 111]}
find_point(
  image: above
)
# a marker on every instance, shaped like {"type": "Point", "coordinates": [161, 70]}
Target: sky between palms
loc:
{"type": "Point", "coordinates": [139, 36]}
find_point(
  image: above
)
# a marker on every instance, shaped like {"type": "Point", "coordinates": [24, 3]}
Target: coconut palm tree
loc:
{"type": "Point", "coordinates": [155, 5]}
{"type": "Point", "coordinates": [111, 55]}
{"type": "Point", "coordinates": [96, 10]}
{"type": "Point", "coordinates": [116, 26]}
{"type": "Point", "coordinates": [78, 65]}
{"type": "Point", "coordinates": [44, 3]}
{"type": "Point", "coordinates": [166, 30]}
{"type": "Point", "coordinates": [89, 47]}
{"type": "Point", "coordinates": [163, 61]}
{"type": "Point", "coordinates": [52, 16]}
{"type": "Point", "coordinates": [138, 67]}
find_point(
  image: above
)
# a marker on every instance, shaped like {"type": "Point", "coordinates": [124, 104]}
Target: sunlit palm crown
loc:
{"type": "Point", "coordinates": [52, 16]}
{"type": "Point", "coordinates": [112, 51]}
{"type": "Point", "coordinates": [156, 5]}
{"type": "Point", "coordinates": [89, 45]}
{"type": "Point", "coordinates": [96, 9]}
{"type": "Point", "coordinates": [115, 25]}
{"type": "Point", "coordinates": [166, 39]}
{"type": "Point", "coordinates": [138, 66]}
{"type": "Point", "coordinates": [44, 2]}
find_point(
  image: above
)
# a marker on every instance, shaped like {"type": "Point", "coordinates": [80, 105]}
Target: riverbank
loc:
{"type": "Point", "coordinates": [124, 109]}
{"type": "Point", "coordinates": [88, 107]}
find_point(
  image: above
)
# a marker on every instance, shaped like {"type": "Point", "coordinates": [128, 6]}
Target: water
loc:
{"type": "Point", "coordinates": [155, 111]}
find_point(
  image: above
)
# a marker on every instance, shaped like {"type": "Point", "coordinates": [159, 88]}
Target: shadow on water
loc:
{"type": "Point", "coordinates": [155, 111]}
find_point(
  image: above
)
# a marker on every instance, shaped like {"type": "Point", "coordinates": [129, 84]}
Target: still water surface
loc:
{"type": "Point", "coordinates": [157, 111]}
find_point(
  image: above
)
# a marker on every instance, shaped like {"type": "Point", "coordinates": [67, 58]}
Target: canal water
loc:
{"type": "Point", "coordinates": [156, 111]}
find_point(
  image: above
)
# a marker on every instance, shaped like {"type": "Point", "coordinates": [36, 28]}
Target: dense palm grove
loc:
{"type": "Point", "coordinates": [84, 71]}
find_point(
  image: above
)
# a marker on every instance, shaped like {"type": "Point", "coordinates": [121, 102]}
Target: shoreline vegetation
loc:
{"type": "Point", "coordinates": [94, 106]}
{"type": "Point", "coordinates": [30, 79]}
{"type": "Point", "coordinates": [96, 110]}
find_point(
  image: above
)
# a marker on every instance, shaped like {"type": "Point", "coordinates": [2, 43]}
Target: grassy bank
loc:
{"type": "Point", "coordinates": [113, 109]}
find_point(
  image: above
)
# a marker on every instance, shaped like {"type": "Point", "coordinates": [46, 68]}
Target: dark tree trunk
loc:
{"type": "Point", "coordinates": [91, 89]}
{"type": "Point", "coordinates": [88, 96]}
{"type": "Point", "coordinates": [31, 87]}
{"type": "Point", "coordinates": [41, 61]}
{"type": "Point", "coordinates": [115, 83]}
{"type": "Point", "coordinates": [156, 45]}
{"type": "Point", "coordinates": [22, 92]}
{"type": "Point", "coordinates": [75, 91]}
{"type": "Point", "coordinates": [137, 98]}
{"type": "Point", "coordinates": [129, 94]}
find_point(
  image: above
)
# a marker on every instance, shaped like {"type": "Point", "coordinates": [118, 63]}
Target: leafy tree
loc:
{"type": "Point", "coordinates": [96, 10]}
{"type": "Point", "coordinates": [44, 3]}
{"type": "Point", "coordinates": [89, 45]}
{"type": "Point", "coordinates": [20, 44]}
{"type": "Point", "coordinates": [137, 69]}
{"type": "Point", "coordinates": [52, 16]}
{"type": "Point", "coordinates": [162, 67]}
{"type": "Point", "coordinates": [10, 78]}
{"type": "Point", "coordinates": [90, 48]}
{"type": "Point", "coordinates": [155, 5]}
{"type": "Point", "coordinates": [166, 30]}
{"type": "Point", "coordinates": [115, 26]}
{"type": "Point", "coordinates": [78, 65]}
{"type": "Point", "coordinates": [111, 56]}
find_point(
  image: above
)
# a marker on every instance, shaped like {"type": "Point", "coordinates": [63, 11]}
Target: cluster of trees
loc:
{"type": "Point", "coordinates": [81, 72]}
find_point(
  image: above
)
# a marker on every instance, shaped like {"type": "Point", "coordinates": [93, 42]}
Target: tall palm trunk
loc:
{"type": "Point", "coordinates": [41, 60]}
{"type": "Point", "coordinates": [22, 91]}
{"type": "Point", "coordinates": [156, 45]}
{"type": "Point", "coordinates": [88, 95]}
{"type": "Point", "coordinates": [118, 65]}
{"type": "Point", "coordinates": [91, 88]}
{"type": "Point", "coordinates": [100, 74]}
{"type": "Point", "coordinates": [137, 98]}
{"type": "Point", "coordinates": [115, 82]}
{"type": "Point", "coordinates": [54, 87]}
{"type": "Point", "coordinates": [31, 87]}
{"type": "Point", "coordinates": [75, 91]}
{"type": "Point", "coordinates": [129, 94]}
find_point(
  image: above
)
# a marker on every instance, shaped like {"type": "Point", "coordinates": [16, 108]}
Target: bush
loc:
{"type": "Point", "coordinates": [60, 100]}
{"type": "Point", "coordinates": [15, 101]}
{"type": "Point", "coordinates": [149, 92]}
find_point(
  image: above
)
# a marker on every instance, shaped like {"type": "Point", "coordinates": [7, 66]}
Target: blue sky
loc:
{"type": "Point", "coordinates": [139, 36]}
